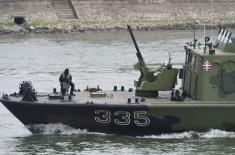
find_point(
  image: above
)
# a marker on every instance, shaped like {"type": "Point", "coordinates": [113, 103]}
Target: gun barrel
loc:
{"type": "Point", "coordinates": [139, 55]}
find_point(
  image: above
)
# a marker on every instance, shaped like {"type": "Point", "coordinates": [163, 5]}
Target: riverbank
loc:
{"type": "Point", "coordinates": [84, 26]}
{"type": "Point", "coordinates": [63, 16]}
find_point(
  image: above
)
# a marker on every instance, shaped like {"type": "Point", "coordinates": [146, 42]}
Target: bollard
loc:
{"type": "Point", "coordinates": [136, 100]}
{"type": "Point", "coordinates": [122, 88]}
{"type": "Point", "coordinates": [129, 100]}
{"type": "Point", "coordinates": [114, 88]}
{"type": "Point", "coordinates": [54, 90]}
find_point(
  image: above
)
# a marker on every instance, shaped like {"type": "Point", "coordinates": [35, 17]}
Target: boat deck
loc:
{"type": "Point", "coordinates": [102, 97]}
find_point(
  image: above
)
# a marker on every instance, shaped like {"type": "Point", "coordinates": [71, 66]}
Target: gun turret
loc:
{"type": "Point", "coordinates": [152, 81]}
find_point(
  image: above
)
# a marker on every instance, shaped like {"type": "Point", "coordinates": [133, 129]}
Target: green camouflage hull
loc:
{"type": "Point", "coordinates": [130, 119]}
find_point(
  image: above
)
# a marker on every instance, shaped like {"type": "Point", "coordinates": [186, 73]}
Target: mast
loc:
{"type": "Point", "coordinates": [212, 19]}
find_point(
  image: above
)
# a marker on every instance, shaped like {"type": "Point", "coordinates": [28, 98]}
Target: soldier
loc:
{"type": "Point", "coordinates": [65, 82]}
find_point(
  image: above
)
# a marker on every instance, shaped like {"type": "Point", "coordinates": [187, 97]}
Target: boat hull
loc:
{"type": "Point", "coordinates": [128, 119]}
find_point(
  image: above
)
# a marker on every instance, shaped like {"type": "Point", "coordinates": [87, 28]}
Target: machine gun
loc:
{"type": "Point", "coordinates": [151, 81]}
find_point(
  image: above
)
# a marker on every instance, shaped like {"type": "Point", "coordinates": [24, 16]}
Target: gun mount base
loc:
{"type": "Point", "coordinates": [146, 93]}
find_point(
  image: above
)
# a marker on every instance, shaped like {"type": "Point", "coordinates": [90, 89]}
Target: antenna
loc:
{"type": "Point", "coordinates": [212, 29]}
{"type": "Point", "coordinates": [169, 60]}
{"type": "Point", "coordinates": [204, 33]}
{"type": "Point", "coordinates": [194, 36]}
{"type": "Point", "coordinates": [204, 30]}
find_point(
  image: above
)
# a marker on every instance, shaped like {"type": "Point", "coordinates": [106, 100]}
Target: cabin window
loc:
{"type": "Point", "coordinates": [189, 58]}
{"type": "Point", "coordinates": [192, 64]}
{"type": "Point", "coordinates": [196, 65]}
{"type": "Point", "coordinates": [186, 58]}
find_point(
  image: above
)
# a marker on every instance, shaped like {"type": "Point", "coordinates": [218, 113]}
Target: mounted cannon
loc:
{"type": "Point", "coordinates": [150, 82]}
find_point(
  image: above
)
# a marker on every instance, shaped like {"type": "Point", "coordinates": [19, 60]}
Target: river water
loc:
{"type": "Point", "coordinates": [94, 58]}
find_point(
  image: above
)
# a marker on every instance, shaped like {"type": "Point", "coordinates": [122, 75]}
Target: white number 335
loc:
{"type": "Point", "coordinates": [122, 117]}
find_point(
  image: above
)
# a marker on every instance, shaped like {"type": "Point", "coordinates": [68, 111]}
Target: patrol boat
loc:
{"type": "Point", "coordinates": [205, 100]}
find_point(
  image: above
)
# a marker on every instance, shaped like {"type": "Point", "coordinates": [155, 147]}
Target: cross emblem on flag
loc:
{"type": "Point", "coordinates": [207, 65]}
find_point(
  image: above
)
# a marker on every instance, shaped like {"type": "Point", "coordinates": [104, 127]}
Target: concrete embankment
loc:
{"type": "Point", "coordinates": [90, 15]}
